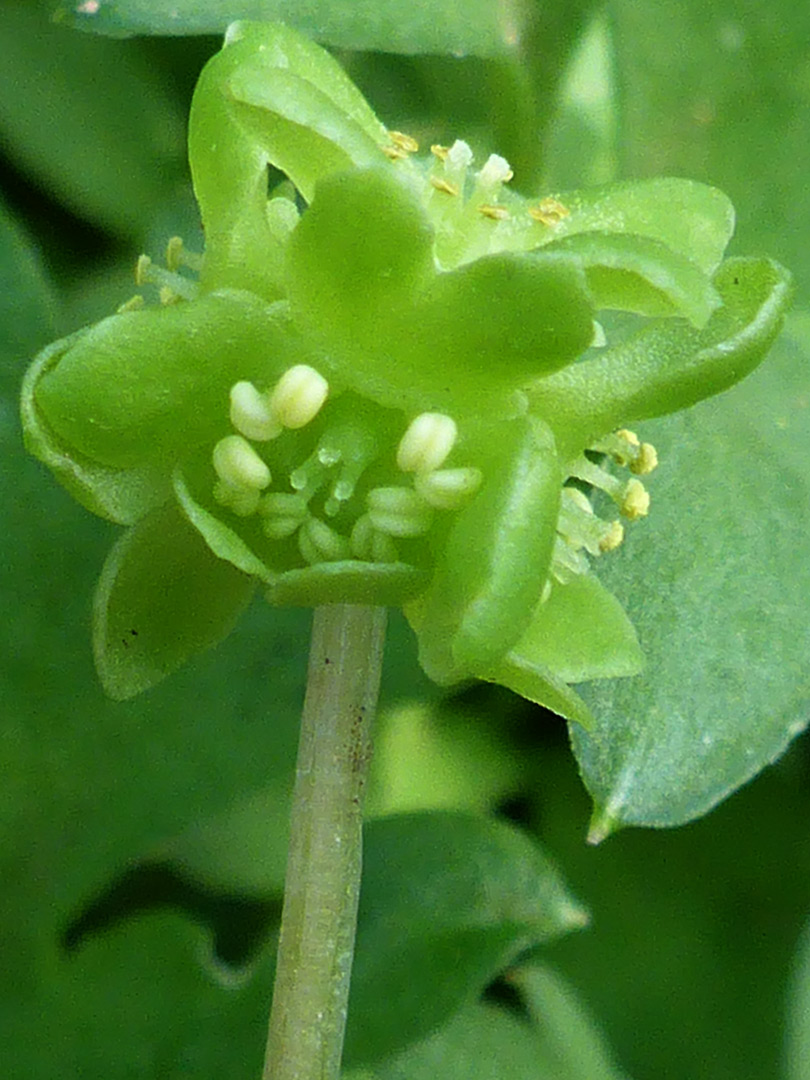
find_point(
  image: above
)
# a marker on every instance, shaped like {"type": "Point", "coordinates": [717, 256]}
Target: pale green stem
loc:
{"type": "Point", "coordinates": [310, 998]}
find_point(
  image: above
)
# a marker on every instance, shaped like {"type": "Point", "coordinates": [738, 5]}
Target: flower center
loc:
{"type": "Point", "coordinates": [327, 477]}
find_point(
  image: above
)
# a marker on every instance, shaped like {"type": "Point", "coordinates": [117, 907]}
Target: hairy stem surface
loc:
{"type": "Point", "coordinates": [310, 998]}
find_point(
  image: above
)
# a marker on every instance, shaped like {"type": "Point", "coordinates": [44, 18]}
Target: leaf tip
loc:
{"type": "Point", "coordinates": [603, 824]}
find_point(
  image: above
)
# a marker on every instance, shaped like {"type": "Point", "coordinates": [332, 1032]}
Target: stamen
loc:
{"type": "Point", "coordinates": [646, 461]}
{"type": "Point", "coordinates": [135, 303]}
{"type": "Point", "coordinates": [177, 255]}
{"type": "Point", "coordinates": [496, 213]}
{"type": "Point", "coordinates": [549, 212]}
{"type": "Point", "coordinates": [580, 527]}
{"type": "Point", "coordinates": [459, 156]}
{"type": "Point", "coordinates": [395, 153]}
{"type": "Point", "coordinates": [625, 449]}
{"type": "Point", "coordinates": [599, 339]}
{"type": "Point", "coordinates": [441, 184]}
{"type": "Point", "coordinates": [282, 514]}
{"type": "Point", "coordinates": [612, 538]}
{"type": "Point", "coordinates": [238, 465]}
{"type": "Point", "coordinates": [631, 497]}
{"type": "Point", "coordinates": [167, 295]}
{"type": "Point", "coordinates": [298, 396]}
{"type": "Point", "coordinates": [146, 273]}
{"type": "Point", "coordinates": [317, 542]}
{"type": "Point", "coordinates": [399, 511]}
{"type": "Point", "coordinates": [242, 501]}
{"type": "Point", "coordinates": [636, 501]}
{"type": "Point", "coordinates": [251, 414]}
{"type": "Point", "coordinates": [427, 442]}
{"type": "Point", "coordinates": [440, 152]}
{"type": "Point", "coordinates": [404, 142]}
{"type": "Point", "coordinates": [448, 489]}
{"type": "Point", "coordinates": [369, 545]}
{"type": "Point", "coordinates": [496, 170]}
{"type": "Point", "coordinates": [566, 563]}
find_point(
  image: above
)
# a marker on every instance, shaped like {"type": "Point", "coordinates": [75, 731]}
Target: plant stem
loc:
{"type": "Point", "coordinates": [316, 946]}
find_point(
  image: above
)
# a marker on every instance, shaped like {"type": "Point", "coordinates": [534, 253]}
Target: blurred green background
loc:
{"type": "Point", "coordinates": [142, 844]}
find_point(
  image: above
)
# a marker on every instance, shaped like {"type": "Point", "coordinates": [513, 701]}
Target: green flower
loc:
{"type": "Point", "coordinates": [399, 396]}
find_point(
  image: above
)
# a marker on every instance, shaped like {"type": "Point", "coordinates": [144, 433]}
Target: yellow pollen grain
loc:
{"type": "Point", "coordinates": [444, 185]}
{"type": "Point", "coordinates": [395, 153]}
{"type": "Point", "coordinates": [440, 152]}
{"type": "Point", "coordinates": [628, 436]}
{"type": "Point", "coordinates": [403, 141]}
{"type": "Point", "coordinates": [496, 213]}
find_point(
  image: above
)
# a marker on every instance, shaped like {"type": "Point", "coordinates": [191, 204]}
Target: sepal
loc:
{"type": "Point", "coordinates": [162, 597]}
{"type": "Point", "coordinates": [146, 388]}
{"type": "Point", "coordinates": [119, 495]}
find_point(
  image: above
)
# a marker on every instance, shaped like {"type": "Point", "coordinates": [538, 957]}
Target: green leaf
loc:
{"type": "Point", "coordinates": [714, 583]}
{"type": "Point", "coordinates": [92, 121]}
{"type": "Point", "coordinates": [446, 26]}
{"type": "Point", "coordinates": [668, 366]}
{"type": "Point", "coordinates": [575, 1048]}
{"type": "Point", "coordinates": [162, 597]}
{"type": "Point", "coordinates": [797, 1049]}
{"type": "Point", "coordinates": [448, 900]}
{"type": "Point", "coordinates": [27, 302]}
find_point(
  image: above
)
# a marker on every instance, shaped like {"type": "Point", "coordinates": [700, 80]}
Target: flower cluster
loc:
{"type": "Point", "coordinates": [400, 395]}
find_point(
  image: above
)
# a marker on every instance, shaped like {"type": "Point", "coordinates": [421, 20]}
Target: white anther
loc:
{"type": "Point", "coordinates": [361, 537]}
{"type": "Point", "coordinates": [250, 413]}
{"type": "Point", "coordinates": [237, 464]}
{"type": "Point", "coordinates": [242, 501]}
{"type": "Point", "coordinates": [448, 489]}
{"type": "Point", "coordinates": [496, 170]}
{"type": "Point", "coordinates": [298, 396]}
{"type": "Point", "coordinates": [318, 536]}
{"type": "Point", "coordinates": [399, 511]}
{"type": "Point", "coordinates": [459, 156]}
{"type": "Point", "coordinates": [427, 442]}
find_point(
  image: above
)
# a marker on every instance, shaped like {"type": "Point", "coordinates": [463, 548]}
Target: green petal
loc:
{"type": "Point", "coordinates": [349, 582]}
{"type": "Point", "coordinates": [162, 597]}
{"type": "Point", "coordinates": [635, 273]}
{"type": "Point", "coordinates": [272, 97]}
{"type": "Point", "coordinates": [144, 388]}
{"type": "Point", "coordinates": [580, 633]}
{"type": "Point", "coordinates": [542, 687]}
{"type": "Point", "coordinates": [120, 495]}
{"type": "Point", "coordinates": [345, 582]}
{"type": "Point", "coordinates": [356, 259]}
{"type": "Point", "coordinates": [691, 219]}
{"type": "Point", "coordinates": [223, 541]}
{"type": "Point", "coordinates": [495, 561]}
{"type": "Point", "coordinates": [669, 365]}
{"type": "Point", "coordinates": [362, 277]}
